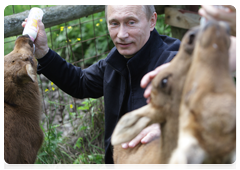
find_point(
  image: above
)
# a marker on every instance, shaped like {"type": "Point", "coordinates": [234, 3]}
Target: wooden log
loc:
{"type": "Point", "coordinates": [181, 18]}
{"type": "Point", "coordinates": [52, 16]}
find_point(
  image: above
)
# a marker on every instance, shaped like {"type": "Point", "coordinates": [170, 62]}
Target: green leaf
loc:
{"type": "Point", "coordinates": [78, 144]}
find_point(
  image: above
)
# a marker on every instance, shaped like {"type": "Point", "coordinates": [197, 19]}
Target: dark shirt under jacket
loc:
{"type": "Point", "coordinates": [115, 77]}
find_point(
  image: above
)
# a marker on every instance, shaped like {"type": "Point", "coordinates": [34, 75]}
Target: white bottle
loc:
{"type": "Point", "coordinates": [31, 27]}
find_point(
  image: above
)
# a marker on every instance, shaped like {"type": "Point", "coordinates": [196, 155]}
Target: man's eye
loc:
{"type": "Point", "coordinates": [131, 22]}
{"type": "Point", "coordinates": [114, 23]}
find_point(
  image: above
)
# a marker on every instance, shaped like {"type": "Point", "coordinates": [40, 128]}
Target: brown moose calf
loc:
{"type": "Point", "coordinates": [207, 124]}
{"type": "Point", "coordinates": [22, 104]}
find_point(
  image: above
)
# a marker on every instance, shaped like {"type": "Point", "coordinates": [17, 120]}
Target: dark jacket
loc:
{"type": "Point", "coordinates": [115, 78]}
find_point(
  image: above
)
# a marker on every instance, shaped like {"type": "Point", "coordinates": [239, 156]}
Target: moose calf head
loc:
{"type": "Point", "coordinates": [19, 67]}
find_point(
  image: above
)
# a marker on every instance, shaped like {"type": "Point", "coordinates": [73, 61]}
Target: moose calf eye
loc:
{"type": "Point", "coordinates": [164, 82]}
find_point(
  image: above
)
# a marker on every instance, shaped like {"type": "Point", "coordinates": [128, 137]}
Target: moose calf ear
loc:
{"type": "Point", "coordinates": [26, 74]}
{"type": "Point", "coordinates": [127, 130]}
{"type": "Point", "coordinates": [31, 72]}
{"type": "Point", "coordinates": [130, 125]}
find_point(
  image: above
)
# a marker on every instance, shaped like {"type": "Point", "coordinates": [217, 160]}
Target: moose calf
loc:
{"type": "Point", "coordinates": [22, 104]}
{"type": "Point", "coordinates": [207, 124]}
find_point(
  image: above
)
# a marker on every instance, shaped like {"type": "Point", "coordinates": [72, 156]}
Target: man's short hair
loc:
{"type": "Point", "coordinates": [148, 9]}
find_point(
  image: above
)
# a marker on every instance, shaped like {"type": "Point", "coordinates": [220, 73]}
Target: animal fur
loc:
{"type": "Point", "coordinates": [207, 127]}
{"type": "Point", "coordinates": [22, 104]}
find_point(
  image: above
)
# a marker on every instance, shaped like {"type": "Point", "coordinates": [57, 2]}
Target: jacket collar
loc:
{"type": "Point", "coordinates": [139, 60]}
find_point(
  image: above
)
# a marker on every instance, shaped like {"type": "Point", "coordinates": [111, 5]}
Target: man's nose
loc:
{"type": "Point", "coordinates": [123, 32]}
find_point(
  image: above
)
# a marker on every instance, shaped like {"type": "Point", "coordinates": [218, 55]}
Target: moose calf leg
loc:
{"type": "Point", "coordinates": [188, 153]}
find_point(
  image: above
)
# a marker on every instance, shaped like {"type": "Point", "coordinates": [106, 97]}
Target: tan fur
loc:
{"type": "Point", "coordinates": [140, 154]}
{"type": "Point", "coordinates": [208, 105]}
{"type": "Point", "coordinates": [163, 109]}
{"type": "Point", "coordinates": [22, 104]}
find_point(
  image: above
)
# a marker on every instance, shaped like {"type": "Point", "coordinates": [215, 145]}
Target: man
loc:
{"type": "Point", "coordinates": [138, 50]}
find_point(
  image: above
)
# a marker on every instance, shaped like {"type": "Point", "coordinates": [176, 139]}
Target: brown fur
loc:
{"type": "Point", "coordinates": [207, 132]}
{"type": "Point", "coordinates": [163, 109]}
{"type": "Point", "coordinates": [132, 155]}
{"type": "Point", "coordinates": [22, 104]}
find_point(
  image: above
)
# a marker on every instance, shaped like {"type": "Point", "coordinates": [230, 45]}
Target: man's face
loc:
{"type": "Point", "coordinates": [129, 28]}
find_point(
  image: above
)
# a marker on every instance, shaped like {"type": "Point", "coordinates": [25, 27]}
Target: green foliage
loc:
{"type": "Point", "coordinates": [78, 38]}
{"type": "Point", "coordinates": [89, 159]}
{"type": "Point", "coordinates": [90, 152]}
{"type": "Point", "coordinates": [49, 150]}
{"type": "Point", "coordinates": [14, 9]}
{"type": "Point", "coordinates": [88, 148]}
{"type": "Point", "coordinates": [9, 44]}
{"type": "Point", "coordinates": [161, 27]}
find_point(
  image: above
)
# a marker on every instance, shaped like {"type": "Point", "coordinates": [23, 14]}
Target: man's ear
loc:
{"type": "Point", "coordinates": [153, 21]}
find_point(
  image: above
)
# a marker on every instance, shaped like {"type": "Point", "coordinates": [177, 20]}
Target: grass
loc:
{"type": "Point", "coordinates": [83, 143]}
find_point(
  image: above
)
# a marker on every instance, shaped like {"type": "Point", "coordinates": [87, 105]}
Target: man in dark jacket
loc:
{"type": "Point", "coordinates": [138, 50]}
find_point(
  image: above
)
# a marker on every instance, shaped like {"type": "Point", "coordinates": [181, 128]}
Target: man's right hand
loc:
{"type": "Point", "coordinates": [41, 45]}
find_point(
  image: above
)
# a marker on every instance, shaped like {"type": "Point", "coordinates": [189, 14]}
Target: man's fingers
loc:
{"type": "Point", "coordinates": [216, 13]}
{"type": "Point", "coordinates": [149, 137]}
{"type": "Point", "coordinates": [160, 68]}
{"type": "Point", "coordinates": [125, 145]}
{"type": "Point", "coordinates": [232, 8]}
{"type": "Point", "coordinates": [24, 22]}
{"type": "Point", "coordinates": [133, 142]}
{"type": "Point", "coordinates": [148, 91]}
{"type": "Point", "coordinates": [41, 25]}
{"type": "Point", "coordinates": [136, 140]}
{"type": "Point", "coordinates": [147, 78]}
{"type": "Point", "coordinates": [153, 132]}
{"type": "Point", "coordinates": [146, 135]}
